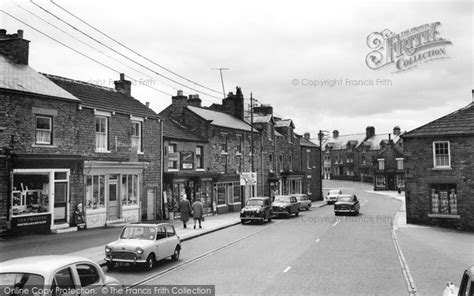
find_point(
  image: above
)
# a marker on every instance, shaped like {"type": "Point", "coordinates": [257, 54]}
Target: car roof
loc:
{"type": "Point", "coordinates": [283, 196]}
{"type": "Point", "coordinates": [149, 224]}
{"type": "Point", "coordinates": [332, 190]}
{"type": "Point", "coordinates": [346, 195]}
{"type": "Point", "coordinates": [258, 197]}
{"type": "Point", "coordinates": [42, 265]}
{"type": "Point", "coordinates": [299, 194]}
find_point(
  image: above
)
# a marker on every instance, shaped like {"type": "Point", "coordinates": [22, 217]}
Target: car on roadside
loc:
{"type": "Point", "coordinates": [332, 196]}
{"type": "Point", "coordinates": [304, 201]}
{"type": "Point", "coordinates": [347, 204]}
{"type": "Point", "coordinates": [143, 244]}
{"type": "Point", "coordinates": [466, 287]}
{"type": "Point", "coordinates": [257, 209]}
{"type": "Point", "coordinates": [285, 205]}
{"type": "Point", "coordinates": [51, 273]}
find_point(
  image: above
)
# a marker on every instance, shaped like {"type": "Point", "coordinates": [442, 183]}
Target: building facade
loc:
{"type": "Point", "coordinates": [389, 170]}
{"type": "Point", "coordinates": [439, 168]}
{"type": "Point", "coordinates": [61, 150]}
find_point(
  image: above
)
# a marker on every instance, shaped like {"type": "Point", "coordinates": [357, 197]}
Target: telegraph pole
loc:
{"type": "Point", "coordinates": [251, 133]}
{"type": "Point", "coordinates": [321, 137]}
{"type": "Point", "coordinates": [222, 79]}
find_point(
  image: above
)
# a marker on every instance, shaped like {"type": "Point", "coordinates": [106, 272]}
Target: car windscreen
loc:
{"type": "Point", "coordinates": [138, 232]}
{"type": "Point", "coordinates": [345, 198]}
{"type": "Point", "coordinates": [255, 202]}
{"type": "Point", "coordinates": [334, 192]}
{"type": "Point", "coordinates": [282, 199]}
{"type": "Point", "coordinates": [20, 280]}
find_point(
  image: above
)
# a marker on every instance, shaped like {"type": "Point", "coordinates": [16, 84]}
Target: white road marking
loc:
{"type": "Point", "coordinates": [337, 222]}
{"type": "Point", "coordinates": [318, 240]}
{"type": "Point", "coordinates": [287, 269]}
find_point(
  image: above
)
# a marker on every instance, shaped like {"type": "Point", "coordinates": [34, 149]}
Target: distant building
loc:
{"type": "Point", "coordinates": [439, 171]}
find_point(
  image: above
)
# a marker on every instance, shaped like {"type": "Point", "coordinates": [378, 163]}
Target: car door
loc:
{"type": "Point", "coordinates": [63, 282]}
{"type": "Point", "coordinates": [356, 203]}
{"type": "Point", "coordinates": [172, 239]}
{"type": "Point", "coordinates": [89, 277]}
{"type": "Point", "coordinates": [294, 204]}
{"type": "Point", "coordinates": [161, 248]}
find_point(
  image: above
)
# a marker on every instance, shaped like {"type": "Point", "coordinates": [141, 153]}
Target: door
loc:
{"type": "Point", "coordinates": [112, 204]}
{"type": "Point", "coordinates": [391, 183]}
{"type": "Point", "coordinates": [150, 210]}
{"type": "Point", "coordinates": [60, 202]}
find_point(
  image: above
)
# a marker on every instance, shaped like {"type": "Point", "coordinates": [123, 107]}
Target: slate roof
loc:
{"type": "Point", "coordinates": [175, 131]}
{"type": "Point", "coordinates": [259, 118]}
{"type": "Point", "coordinates": [341, 141]}
{"type": "Point", "coordinates": [221, 119]}
{"type": "Point", "coordinates": [373, 143]}
{"type": "Point", "coordinates": [23, 78]}
{"type": "Point", "coordinates": [103, 98]}
{"type": "Point", "coordinates": [284, 123]}
{"type": "Point", "coordinates": [307, 143]}
{"type": "Point", "coordinates": [460, 122]}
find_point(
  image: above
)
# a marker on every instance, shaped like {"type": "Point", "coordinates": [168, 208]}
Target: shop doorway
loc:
{"type": "Point", "coordinates": [112, 205]}
{"type": "Point", "coordinates": [60, 202]}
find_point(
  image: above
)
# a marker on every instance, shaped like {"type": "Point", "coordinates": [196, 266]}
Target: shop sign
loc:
{"type": "Point", "coordinates": [248, 179]}
{"type": "Point", "coordinates": [187, 160]}
{"type": "Point", "coordinates": [31, 223]}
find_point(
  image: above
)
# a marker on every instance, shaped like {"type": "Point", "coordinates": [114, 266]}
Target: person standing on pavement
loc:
{"type": "Point", "coordinates": [185, 209]}
{"type": "Point", "coordinates": [198, 211]}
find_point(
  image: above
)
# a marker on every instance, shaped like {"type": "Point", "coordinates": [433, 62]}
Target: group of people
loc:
{"type": "Point", "coordinates": [196, 210]}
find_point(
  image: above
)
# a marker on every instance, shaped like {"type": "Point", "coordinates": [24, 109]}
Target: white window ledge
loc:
{"type": "Point", "coordinates": [103, 151]}
{"type": "Point", "coordinates": [173, 170]}
{"type": "Point", "coordinates": [442, 169]}
{"type": "Point", "coordinates": [221, 206]}
{"type": "Point", "coordinates": [200, 170]}
{"type": "Point", "coordinates": [43, 146]}
{"type": "Point", "coordinates": [446, 216]}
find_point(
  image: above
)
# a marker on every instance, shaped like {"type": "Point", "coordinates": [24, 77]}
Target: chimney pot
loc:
{"type": "Point", "coordinates": [370, 132]}
{"type": "Point", "coordinates": [122, 76]}
{"type": "Point", "coordinates": [20, 33]}
{"type": "Point", "coordinates": [147, 104]}
{"type": "Point", "coordinates": [14, 47]}
{"type": "Point", "coordinates": [335, 134]}
{"type": "Point", "coordinates": [124, 86]}
{"type": "Point", "coordinates": [307, 136]}
{"type": "Point", "coordinates": [3, 32]}
{"type": "Point", "coordinates": [180, 92]}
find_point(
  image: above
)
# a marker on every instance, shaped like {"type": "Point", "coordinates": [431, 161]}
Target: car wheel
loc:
{"type": "Point", "coordinates": [150, 262]}
{"type": "Point", "coordinates": [110, 265]}
{"type": "Point", "coordinates": [270, 219]}
{"type": "Point", "coordinates": [356, 212]}
{"type": "Point", "coordinates": [242, 221]}
{"type": "Point", "coordinates": [297, 213]}
{"type": "Point", "coordinates": [336, 213]}
{"type": "Point", "coordinates": [176, 253]}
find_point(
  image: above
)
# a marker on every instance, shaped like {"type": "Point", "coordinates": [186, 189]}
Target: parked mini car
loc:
{"type": "Point", "coordinates": [304, 201]}
{"type": "Point", "coordinates": [332, 195]}
{"type": "Point", "coordinates": [285, 205]}
{"type": "Point", "coordinates": [257, 209]}
{"type": "Point", "coordinates": [466, 288]}
{"type": "Point", "coordinates": [143, 244]}
{"type": "Point", "coordinates": [46, 273]}
{"type": "Point", "coordinates": [347, 203]}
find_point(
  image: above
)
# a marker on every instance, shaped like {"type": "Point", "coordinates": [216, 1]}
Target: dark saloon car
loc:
{"type": "Point", "coordinates": [257, 209]}
{"type": "Point", "coordinates": [285, 205]}
{"type": "Point", "coordinates": [347, 204]}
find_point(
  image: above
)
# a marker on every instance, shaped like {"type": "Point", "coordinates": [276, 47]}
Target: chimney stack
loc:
{"type": "Point", "coordinates": [263, 110]}
{"type": "Point", "coordinates": [123, 86]}
{"type": "Point", "coordinates": [396, 131]}
{"type": "Point", "coordinates": [335, 134]}
{"type": "Point", "coordinates": [370, 132]}
{"type": "Point", "coordinates": [178, 103]}
{"type": "Point", "coordinates": [234, 104]}
{"type": "Point", "coordinates": [307, 136]}
{"type": "Point", "coordinates": [194, 100]}
{"type": "Point", "coordinates": [14, 47]}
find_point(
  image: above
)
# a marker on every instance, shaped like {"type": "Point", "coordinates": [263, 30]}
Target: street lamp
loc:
{"type": "Point", "coordinates": [321, 136]}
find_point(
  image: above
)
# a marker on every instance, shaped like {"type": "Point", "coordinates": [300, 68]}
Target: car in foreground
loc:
{"type": "Point", "coordinates": [285, 205]}
{"type": "Point", "coordinates": [303, 200]}
{"type": "Point", "coordinates": [143, 244]}
{"type": "Point", "coordinates": [332, 196]}
{"type": "Point", "coordinates": [257, 209]}
{"type": "Point", "coordinates": [347, 204]}
{"type": "Point", "coordinates": [48, 274]}
{"type": "Point", "coordinates": [466, 288]}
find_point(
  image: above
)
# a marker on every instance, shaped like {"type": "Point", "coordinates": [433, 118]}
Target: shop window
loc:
{"type": "Point", "coordinates": [95, 191]}
{"type": "Point", "coordinates": [129, 190]}
{"type": "Point", "coordinates": [136, 135]}
{"type": "Point", "coordinates": [380, 181]}
{"type": "Point", "coordinates": [444, 199]}
{"type": "Point", "coordinates": [30, 193]}
{"type": "Point", "coordinates": [199, 157]}
{"type": "Point", "coordinates": [44, 130]}
{"type": "Point", "coordinates": [101, 134]}
{"type": "Point", "coordinates": [441, 154]}
{"type": "Point", "coordinates": [221, 194]}
{"type": "Point", "coordinates": [236, 192]}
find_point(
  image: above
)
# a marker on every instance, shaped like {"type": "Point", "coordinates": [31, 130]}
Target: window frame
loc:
{"type": "Point", "coordinates": [400, 161]}
{"type": "Point", "coordinates": [50, 118]}
{"type": "Point", "coordinates": [100, 133]}
{"type": "Point", "coordinates": [381, 164]}
{"type": "Point", "coordinates": [434, 155]}
{"type": "Point", "coordinates": [139, 136]}
{"type": "Point", "coordinates": [199, 157]}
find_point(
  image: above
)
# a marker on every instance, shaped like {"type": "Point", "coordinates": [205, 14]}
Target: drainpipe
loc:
{"type": "Point", "coordinates": [160, 193]}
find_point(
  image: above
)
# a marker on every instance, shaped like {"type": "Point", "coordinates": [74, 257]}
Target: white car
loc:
{"type": "Point", "coordinates": [143, 244]}
{"type": "Point", "coordinates": [46, 275]}
{"type": "Point", "coordinates": [304, 201]}
{"type": "Point", "coordinates": [332, 196]}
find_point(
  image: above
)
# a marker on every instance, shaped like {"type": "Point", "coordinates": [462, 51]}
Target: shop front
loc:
{"type": "Point", "coordinates": [291, 184]}
{"type": "Point", "coordinates": [40, 193]}
{"type": "Point", "coordinates": [112, 192]}
{"type": "Point", "coordinates": [193, 187]}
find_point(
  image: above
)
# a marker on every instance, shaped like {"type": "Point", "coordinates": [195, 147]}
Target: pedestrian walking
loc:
{"type": "Point", "coordinates": [185, 209]}
{"type": "Point", "coordinates": [198, 211]}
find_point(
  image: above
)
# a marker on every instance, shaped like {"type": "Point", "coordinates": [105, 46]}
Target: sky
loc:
{"type": "Point", "coordinates": [305, 58]}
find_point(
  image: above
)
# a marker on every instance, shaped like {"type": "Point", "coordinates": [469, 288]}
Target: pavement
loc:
{"type": "Point", "coordinates": [90, 243]}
